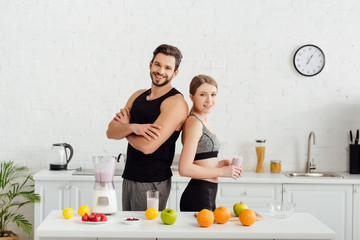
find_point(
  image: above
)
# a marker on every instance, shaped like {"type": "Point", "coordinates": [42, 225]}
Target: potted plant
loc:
{"type": "Point", "coordinates": [15, 192]}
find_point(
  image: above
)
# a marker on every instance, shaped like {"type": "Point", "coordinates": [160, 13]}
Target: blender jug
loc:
{"type": "Point", "coordinates": [61, 157]}
{"type": "Point", "coordinates": [104, 195]}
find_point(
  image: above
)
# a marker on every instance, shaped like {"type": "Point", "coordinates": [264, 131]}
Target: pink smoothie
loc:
{"type": "Point", "coordinates": [237, 161]}
{"type": "Point", "coordinates": [153, 203]}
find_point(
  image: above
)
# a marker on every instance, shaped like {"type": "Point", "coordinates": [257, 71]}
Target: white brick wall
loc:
{"type": "Point", "coordinates": [67, 66]}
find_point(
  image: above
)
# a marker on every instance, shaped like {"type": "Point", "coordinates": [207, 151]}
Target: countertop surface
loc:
{"type": "Point", "coordinates": [298, 226]}
{"type": "Point", "coordinates": [247, 177]}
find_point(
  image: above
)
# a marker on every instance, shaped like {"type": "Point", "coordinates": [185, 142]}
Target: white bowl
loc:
{"type": "Point", "coordinates": [131, 220]}
{"type": "Point", "coordinates": [281, 209]}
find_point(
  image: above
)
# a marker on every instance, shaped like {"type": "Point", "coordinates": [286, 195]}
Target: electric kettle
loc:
{"type": "Point", "coordinates": [60, 157]}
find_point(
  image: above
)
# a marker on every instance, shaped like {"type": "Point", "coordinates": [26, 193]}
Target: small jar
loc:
{"type": "Point", "coordinates": [275, 166]}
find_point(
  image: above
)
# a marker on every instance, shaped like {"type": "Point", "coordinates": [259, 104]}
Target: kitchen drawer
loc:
{"type": "Point", "coordinates": [256, 196]}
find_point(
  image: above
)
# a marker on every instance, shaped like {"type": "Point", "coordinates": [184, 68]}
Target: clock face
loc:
{"type": "Point", "coordinates": [309, 60]}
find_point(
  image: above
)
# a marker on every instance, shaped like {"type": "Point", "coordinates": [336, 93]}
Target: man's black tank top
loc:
{"type": "Point", "coordinates": [154, 167]}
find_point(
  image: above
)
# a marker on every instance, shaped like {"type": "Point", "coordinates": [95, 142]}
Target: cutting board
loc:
{"type": "Point", "coordinates": [233, 217]}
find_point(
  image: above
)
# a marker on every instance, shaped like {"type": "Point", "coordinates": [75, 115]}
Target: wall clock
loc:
{"type": "Point", "coordinates": [309, 60]}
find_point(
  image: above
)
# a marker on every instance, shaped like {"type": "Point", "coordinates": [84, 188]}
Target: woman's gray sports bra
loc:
{"type": "Point", "coordinates": [208, 145]}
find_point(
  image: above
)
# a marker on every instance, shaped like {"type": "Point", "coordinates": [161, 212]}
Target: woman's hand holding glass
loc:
{"type": "Point", "coordinates": [230, 170]}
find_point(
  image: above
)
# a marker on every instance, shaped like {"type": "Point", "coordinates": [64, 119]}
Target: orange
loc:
{"type": "Point", "coordinates": [247, 217]}
{"type": "Point", "coordinates": [205, 218]}
{"type": "Point", "coordinates": [151, 213]}
{"type": "Point", "coordinates": [222, 215]}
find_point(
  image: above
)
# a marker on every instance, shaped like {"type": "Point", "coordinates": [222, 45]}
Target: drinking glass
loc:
{"type": "Point", "coordinates": [152, 198]}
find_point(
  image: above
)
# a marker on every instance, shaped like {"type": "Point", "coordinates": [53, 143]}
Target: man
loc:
{"type": "Point", "coordinates": [151, 122]}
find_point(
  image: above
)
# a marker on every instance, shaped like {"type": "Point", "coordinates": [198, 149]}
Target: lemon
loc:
{"type": "Point", "coordinates": [151, 213]}
{"type": "Point", "coordinates": [68, 213]}
{"type": "Point", "coordinates": [83, 209]}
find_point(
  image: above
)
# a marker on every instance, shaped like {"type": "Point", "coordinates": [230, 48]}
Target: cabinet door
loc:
{"type": "Point", "coordinates": [356, 212]}
{"type": "Point", "coordinates": [55, 195]}
{"type": "Point", "coordinates": [256, 196]}
{"type": "Point", "coordinates": [332, 204]}
{"type": "Point", "coordinates": [172, 202]}
{"type": "Point", "coordinates": [81, 193]}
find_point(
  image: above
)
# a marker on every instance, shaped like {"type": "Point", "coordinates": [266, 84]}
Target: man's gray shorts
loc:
{"type": "Point", "coordinates": [134, 194]}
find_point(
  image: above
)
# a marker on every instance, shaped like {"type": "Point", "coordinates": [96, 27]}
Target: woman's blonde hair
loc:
{"type": "Point", "coordinates": [198, 80]}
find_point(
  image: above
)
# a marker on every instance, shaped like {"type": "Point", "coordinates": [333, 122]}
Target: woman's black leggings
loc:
{"type": "Point", "coordinates": [198, 194]}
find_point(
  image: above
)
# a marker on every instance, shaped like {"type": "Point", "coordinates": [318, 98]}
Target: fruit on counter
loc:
{"type": "Point", "coordinates": [222, 215]}
{"type": "Point", "coordinates": [238, 207]}
{"type": "Point", "coordinates": [104, 218]}
{"type": "Point", "coordinates": [91, 216]}
{"type": "Point", "coordinates": [132, 219]}
{"type": "Point", "coordinates": [247, 217]}
{"type": "Point", "coordinates": [85, 218]}
{"type": "Point", "coordinates": [151, 213]}
{"type": "Point", "coordinates": [98, 217]}
{"type": "Point", "coordinates": [68, 213]}
{"type": "Point", "coordinates": [83, 209]}
{"type": "Point", "coordinates": [205, 218]}
{"type": "Point", "coordinates": [94, 217]}
{"type": "Point", "coordinates": [168, 216]}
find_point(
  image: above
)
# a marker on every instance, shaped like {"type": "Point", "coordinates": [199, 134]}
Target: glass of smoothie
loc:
{"type": "Point", "coordinates": [152, 198]}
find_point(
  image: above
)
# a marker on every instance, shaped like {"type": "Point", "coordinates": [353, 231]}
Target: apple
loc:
{"type": "Point", "coordinates": [238, 207]}
{"type": "Point", "coordinates": [168, 216]}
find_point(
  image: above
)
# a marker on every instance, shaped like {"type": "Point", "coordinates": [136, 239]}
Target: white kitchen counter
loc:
{"type": "Point", "coordinates": [298, 226]}
{"type": "Point", "coordinates": [247, 177]}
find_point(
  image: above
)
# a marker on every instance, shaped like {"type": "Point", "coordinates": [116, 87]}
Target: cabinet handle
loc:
{"type": "Point", "coordinates": [356, 190]}
{"type": "Point", "coordinates": [245, 193]}
{"type": "Point", "coordinates": [67, 187]}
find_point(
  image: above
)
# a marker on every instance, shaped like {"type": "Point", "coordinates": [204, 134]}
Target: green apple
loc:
{"type": "Point", "coordinates": [168, 216]}
{"type": "Point", "coordinates": [238, 207]}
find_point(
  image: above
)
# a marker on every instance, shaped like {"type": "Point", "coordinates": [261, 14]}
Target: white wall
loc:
{"type": "Point", "coordinates": [67, 66]}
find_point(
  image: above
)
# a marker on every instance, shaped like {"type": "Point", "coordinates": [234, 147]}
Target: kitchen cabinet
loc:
{"type": "Point", "coordinates": [256, 196]}
{"type": "Point", "coordinates": [332, 204]}
{"type": "Point", "coordinates": [356, 212]}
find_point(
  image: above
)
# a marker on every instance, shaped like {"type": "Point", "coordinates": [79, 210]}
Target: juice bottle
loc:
{"type": "Point", "coordinates": [260, 153]}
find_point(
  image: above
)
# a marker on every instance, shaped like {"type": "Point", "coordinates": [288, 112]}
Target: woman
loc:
{"type": "Point", "coordinates": [198, 158]}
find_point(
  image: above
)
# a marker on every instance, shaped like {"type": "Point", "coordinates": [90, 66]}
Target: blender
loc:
{"type": "Point", "coordinates": [104, 195]}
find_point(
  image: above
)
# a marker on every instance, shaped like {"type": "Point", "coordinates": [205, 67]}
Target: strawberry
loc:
{"type": "Point", "coordinates": [104, 218]}
{"type": "Point", "coordinates": [94, 220]}
{"type": "Point", "coordinates": [85, 218]}
{"type": "Point", "coordinates": [98, 217]}
{"type": "Point", "coordinates": [92, 216]}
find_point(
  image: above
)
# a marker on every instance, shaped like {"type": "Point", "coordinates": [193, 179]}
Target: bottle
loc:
{"type": "Point", "coordinates": [260, 153]}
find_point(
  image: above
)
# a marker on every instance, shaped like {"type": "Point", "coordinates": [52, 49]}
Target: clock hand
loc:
{"type": "Point", "coordinates": [309, 59]}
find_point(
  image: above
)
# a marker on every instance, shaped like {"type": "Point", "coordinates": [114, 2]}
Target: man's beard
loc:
{"type": "Point", "coordinates": [167, 80]}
